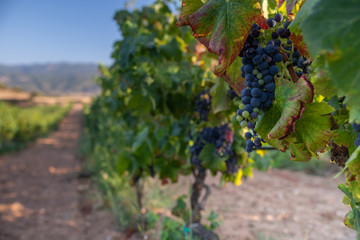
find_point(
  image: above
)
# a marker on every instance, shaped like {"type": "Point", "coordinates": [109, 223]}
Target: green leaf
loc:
{"type": "Point", "coordinates": [210, 160]}
{"type": "Point", "coordinates": [123, 162]}
{"type": "Point", "coordinates": [220, 101]}
{"type": "Point", "coordinates": [140, 138]}
{"type": "Point", "coordinates": [332, 30]}
{"type": "Point", "coordinates": [303, 13]}
{"type": "Point", "coordinates": [222, 26]}
{"type": "Point", "coordinates": [171, 50]}
{"type": "Point", "coordinates": [314, 126]}
{"type": "Point", "coordinates": [289, 100]}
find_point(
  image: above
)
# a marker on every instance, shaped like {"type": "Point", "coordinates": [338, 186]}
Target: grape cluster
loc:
{"type": "Point", "coordinates": [356, 128]}
{"type": "Point", "coordinates": [232, 164]}
{"type": "Point", "coordinates": [298, 61]}
{"type": "Point", "coordinates": [203, 104]}
{"type": "Point", "coordinates": [221, 137]}
{"type": "Point", "coordinates": [259, 70]}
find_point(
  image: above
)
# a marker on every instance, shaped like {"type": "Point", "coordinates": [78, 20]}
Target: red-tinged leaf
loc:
{"type": "Point", "coordinates": [222, 26]}
{"type": "Point", "coordinates": [299, 153]}
{"type": "Point", "coordinates": [290, 99]}
{"type": "Point", "coordinates": [188, 7]}
{"type": "Point", "coordinates": [300, 45]}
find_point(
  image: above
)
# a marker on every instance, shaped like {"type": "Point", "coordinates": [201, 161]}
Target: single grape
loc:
{"type": "Point", "coordinates": [278, 17]}
{"type": "Point", "coordinates": [239, 118]}
{"type": "Point", "coordinates": [277, 42]}
{"type": "Point", "coordinates": [245, 114]}
{"type": "Point", "coordinates": [249, 77]}
{"type": "Point", "coordinates": [255, 102]}
{"type": "Point", "coordinates": [261, 82]}
{"type": "Point", "coordinates": [278, 57]}
{"type": "Point", "coordinates": [241, 106]}
{"type": "Point", "coordinates": [256, 110]}
{"type": "Point", "coordinates": [246, 92]}
{"type": "Point", "coordinates": [246, 99]}
{"type": "Point", "coordinates": [257, 59]}
{"type": "Point", "coordinates": [271, 22]}
{"type": "Point", "coordinates": [274, 35]}
{"type": "Point", "coordinates": [249, 68]}
{"type": "Point", "coordinates": [268, 78]}
{"type": "Point", "coordinates": [265, 72]}
{"type": "Point", "coordinates": [270, 87]}
{"type": "Point", "coordinates": [253, 115]}
{"type": "Point", "coordinates": [259, 76]}
{"type": "Point", "coordinates": [243, 124]}
{"type": "Point", "coordinates": [248, 108]}
{"type": "Point", "coordinates": [273, 69]}
{"type": "Point", "coordinates": [250, 125]}
{"type": "Point", "coordinates": [255, 92]}
{"type": "Point", "coordinates": [268, 103]}
{"type": "Point", "coordinates": [239, 112]}
{"type": "Point", "coordinates": [257, 141]}
{"type": "Point", "coordinates": [255, 71]}
{"type": "Point", "coordinates": [248, 135]}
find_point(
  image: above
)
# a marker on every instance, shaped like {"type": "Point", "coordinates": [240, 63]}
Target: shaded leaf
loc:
{"type": "Point", "coordinates": [210, 160]}
{"type": "Point", "coordinates": [220, 101]}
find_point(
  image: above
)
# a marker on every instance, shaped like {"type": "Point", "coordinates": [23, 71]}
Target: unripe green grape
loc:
{"type": "Point", "coordinates": [241, 106]}
{"type": "Point", "coordinates": [255, 110]}
{"type": "Point", "coordinates": [255, 71]}
{"type": "Point", "coordinates": [239, 118]}
{"type": "Point", "coordinates": [245, 114]}
{"type": "Point", "coordinates": [259, 76]}
{"type": "Point", "coordinates": [261, 82]}
{"type": "Point", "coordinates": [243, 124]}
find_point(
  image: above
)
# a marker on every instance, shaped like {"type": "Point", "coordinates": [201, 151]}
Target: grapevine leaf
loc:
{"type": "Point", "coordinates": [123, 162]}
{"type": "Point", "coordinates": [266, 123]}
{"type": "Point", "coordinates": [290, 99]}
{"type": "Point", "coordinates": [210, 160]}
{"type": "Point", "coordinates": [299, 152]}
{"type": "Point", "coordinates": [220, 100]}
{"type": "Point", "coordinates": [222, 26]}
{"type": "Point", "coordinates": [314, 126]}
{"type": "Point", "coordinates": [337, 39]}
{"type": "Point", "coordinates": [233, 76]}
{"type": "Point", "coordinates": [140, 138]}
{"type": "Point", "coordinates": [303, 13]}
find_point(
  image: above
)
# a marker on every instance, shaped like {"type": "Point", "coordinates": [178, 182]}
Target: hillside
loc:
{"type": "Point", "coordinates": [54, 79]}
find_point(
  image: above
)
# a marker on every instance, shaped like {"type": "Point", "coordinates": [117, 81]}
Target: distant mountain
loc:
{"type": "Point", "coordinates": [54, 79]}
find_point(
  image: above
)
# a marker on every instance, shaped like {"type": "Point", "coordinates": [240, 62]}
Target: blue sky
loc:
{"type": "Point", "coordinates": [42, 31]}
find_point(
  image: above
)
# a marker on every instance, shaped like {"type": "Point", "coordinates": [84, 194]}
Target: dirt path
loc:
{"type": "Point", "coordinates": [278, 205]}
{"type": "Point", "coordinates": [40, 195]}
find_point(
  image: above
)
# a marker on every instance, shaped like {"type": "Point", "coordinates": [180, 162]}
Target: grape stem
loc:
{"type": "Point", "coordinates": [290, 68]}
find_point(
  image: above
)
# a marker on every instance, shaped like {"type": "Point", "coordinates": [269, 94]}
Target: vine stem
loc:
{"type": "Point", "coordinates": [290, 68]}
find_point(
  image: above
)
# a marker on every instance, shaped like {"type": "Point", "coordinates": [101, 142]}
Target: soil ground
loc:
{"type": "Point", "coordinates": [42, 198]}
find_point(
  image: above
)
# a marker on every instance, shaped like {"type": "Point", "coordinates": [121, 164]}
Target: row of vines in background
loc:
{"type": "Point", "coordinates": [20, 125]}
{"type": "Point", "coordinates": [163, 113]}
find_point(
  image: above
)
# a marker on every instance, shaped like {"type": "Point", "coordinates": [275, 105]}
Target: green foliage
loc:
{"type": "Point", "coordinates": [20, 125]}
{"type": "Point", "coordinates": [335, 39]}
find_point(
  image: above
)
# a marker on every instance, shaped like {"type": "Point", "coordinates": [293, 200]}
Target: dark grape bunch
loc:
{"type": "Point", "coordinates": [298, 61]}
{"type": "Point", "coordinates": [356, 128]}
{"type": "Point", "coordinates": [221, 137]}
{"type": "Point", "coordinates": [203, 104]}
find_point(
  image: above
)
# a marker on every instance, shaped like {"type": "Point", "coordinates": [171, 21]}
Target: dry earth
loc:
{"type": "Point", "coordinates": [41, 196]}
